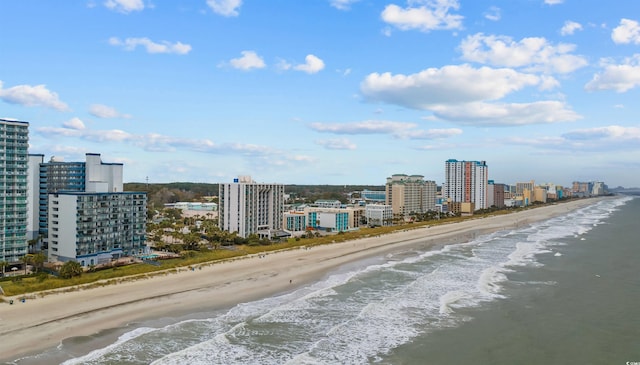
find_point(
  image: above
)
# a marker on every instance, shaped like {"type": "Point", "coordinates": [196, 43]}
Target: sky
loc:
{"type": "Point", "coordinates": [329, 91]}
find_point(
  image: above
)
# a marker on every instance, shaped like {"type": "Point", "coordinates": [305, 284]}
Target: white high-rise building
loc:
{"type": "Point", "coordinates": [95, 228]}
{"type": "Point", "coordinates": [81, 212]}
{"type": "Point", "coordinates": [247, 207]}
{"type": "Point", "coordinates": [466, 182]}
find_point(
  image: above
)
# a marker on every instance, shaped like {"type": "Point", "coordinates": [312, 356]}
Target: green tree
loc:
{"type": "Point", "coordinates": [26, 259]}
{"type": "Point", "coordinates": [3, 265]}
{"type": "Point", "coordinates": [70, 269]}
{"type": "Point", "coordinates": [38, 260]}
{"type": "Point", "coordinates": [191, 240]}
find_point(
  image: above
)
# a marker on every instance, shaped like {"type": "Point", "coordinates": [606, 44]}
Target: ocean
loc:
{"type": "Point", "coordinates": [561, 291]}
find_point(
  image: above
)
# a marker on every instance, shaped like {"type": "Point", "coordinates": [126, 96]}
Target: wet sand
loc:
{"type": "Point", "coordinates": [43, 322]}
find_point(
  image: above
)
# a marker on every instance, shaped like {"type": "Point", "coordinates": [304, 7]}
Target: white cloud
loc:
{"type": "Point", "coordinates": [570, 27]}
{"type": "Point", "coordinates": [154, 142]}
{"type": "Point", "coordinates": [449, 84]}
{"type": "Point", "coordinates": [28, 95]}
{"type": "Point", "coordinates": [429, 134]}
{"type": "Point", "coordinates": [493, 14]}
{"type": "Point", "coordinates": [103, 111]}
{"type": "Point", "coordinates": [627, 32]}
{"type": "Point", "coordinates": [125, 6]}
{"type": "Point", "coordinates": [597, 139]}
{"type": "Point", "coordinates": [248, 61]}
{"type": "Point", "coordinates": [74, 123]}
{"type": "Point", "coordinates": [507, 114]}
{"type": "Point", "coordinates": [313, 65]}
{"type": "Point", "coordinates": [283, 65]}
{"type": "Point", "coordinates": [553, 2]}
{"type": "Point", "coordinates": [342, 4]}
{"type": "Point", "coordinates": [401, 130]}
{"type": "Point", "coordinates": [619, 77]}
{"type": "Point", "coordinates": [432, 15]}
{"type": "Point", "coordinates": [337, 144]}
{"type": "Point", "coordinates": [130, 44]}
{"type": "Point", "coordinates": [461, 94]}
{"type": "Point", "coordinates": [534, 53]}
{"type": "Point", "coordinates": [366, 127]}
{"type": "Point", "coordinates": [612, 132]}
{"type": "Point", "coordinates": [225, 7]}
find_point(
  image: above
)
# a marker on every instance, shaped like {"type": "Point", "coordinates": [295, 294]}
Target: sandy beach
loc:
{"type": "Point", "coordinates": [43, 322]}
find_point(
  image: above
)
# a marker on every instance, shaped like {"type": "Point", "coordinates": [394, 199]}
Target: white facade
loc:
{"type": "Point", "coordinates": [33, 197]}
{"type": "Point", "coordinates": [247, 207]}
{"type": "Point", "coordinates": [102, 177]}
{"type": "Point", "coordinates": [378, 214]}
{"type": "Point", "coordinates": [94, 228]}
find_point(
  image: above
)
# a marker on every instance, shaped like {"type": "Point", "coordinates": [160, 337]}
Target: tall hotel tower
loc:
{"type": "Point", "coordinates": [82, 212]}
{"type": "Point", "coordinates": [466, 182]}
{"type": "Point", "coordinates": [247, 207]}
{"type": "Point", "coordinates": [14, 142]}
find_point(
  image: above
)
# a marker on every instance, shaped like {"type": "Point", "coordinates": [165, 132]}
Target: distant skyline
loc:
{"type": "Point", "coordinates": [329, 91]}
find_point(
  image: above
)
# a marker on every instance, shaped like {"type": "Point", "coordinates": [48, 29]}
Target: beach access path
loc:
{"type": "Point", "coordinates": [43, 322]}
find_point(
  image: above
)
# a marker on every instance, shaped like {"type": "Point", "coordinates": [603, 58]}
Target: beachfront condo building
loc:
{"type": "Point", "coordinates": [495, 194]}
{"type": "Point", "coordinates": [379, 214]}
{"type": "Point", "coordinates": [56, 175]}
{"type": "Point", "coordinates": [14, 143]}
{"type": "Point", "coordinates": [341, 219]}
{"type": "Point", "coordinates": [410, 194]}
{"type": "Point", "coordinates": [247, 207]}
{"type": "Point", "coordinates": [466, 182]}
{"type": "Point", "coordinates": [294, 221]}
{"type": "Point", "coordinates": [95, 228]}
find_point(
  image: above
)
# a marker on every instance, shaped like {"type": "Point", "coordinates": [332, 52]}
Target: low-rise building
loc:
{"type": "Point", "coordinates": [379, 214]}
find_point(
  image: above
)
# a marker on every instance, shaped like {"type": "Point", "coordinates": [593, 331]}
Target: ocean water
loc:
{"type": "Point", "coordinates": [566, 290]}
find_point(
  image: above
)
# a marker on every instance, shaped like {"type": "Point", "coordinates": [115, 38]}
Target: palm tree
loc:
{"type": "Point", "coordinates": [38, 260]}
{"type": "Point", "coordinates": [3, 264]}
{"type": "Point", "coordinates": [25, 260]}
{"type": "Point", "coordinates": [70, 269]}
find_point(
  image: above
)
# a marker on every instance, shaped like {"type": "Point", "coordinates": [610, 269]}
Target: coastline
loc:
{"type": "Point", "coordinates": [42, 323]}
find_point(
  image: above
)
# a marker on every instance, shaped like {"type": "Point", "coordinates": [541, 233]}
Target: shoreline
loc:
{"type": "Point", "coordinates": [43, 323]}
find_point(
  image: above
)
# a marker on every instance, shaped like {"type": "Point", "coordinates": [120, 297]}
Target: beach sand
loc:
{"type": "Point", "coordinates": [43, 322]}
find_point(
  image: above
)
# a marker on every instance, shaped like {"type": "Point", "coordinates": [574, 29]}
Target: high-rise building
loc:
{"type": "Point", "coordinates": [466, 182]}
{"type": "Point", "coordinates": [247, 207]}
{"type": "Point", "coordinates": [495, 194]}
{"type": "Point", "coordinates": [410, 194]}
{"type": "Point", "coordinates": [92, 220]}
{"type": "Point", "coordinates": [57, 175]}
{"type": "Point", "coordinates": [94, 228]}
{"type": "Point", "coordinates": [522, 186]}
{"type": "Point", "coordinates": [14, 143]}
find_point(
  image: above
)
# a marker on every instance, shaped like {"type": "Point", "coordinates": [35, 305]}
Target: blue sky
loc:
{"type": "Point", "coordinates": [329, 91]}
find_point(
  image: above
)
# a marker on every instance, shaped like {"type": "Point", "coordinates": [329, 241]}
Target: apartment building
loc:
{"type": "Point", "coordinates": [379, 214]}
{"type": "Point", "coordinates": [91, 175]}
{"type": "Point", "coordinates": [466, 182]}
{"type": "Point", "coordinates": [247, 207]}
{"type": "Point", "coordinates": [95, 228]}
{"type": "Point", "coordinates": [14, 143]}
{"type": "Point", "coordinates": [410, 194]}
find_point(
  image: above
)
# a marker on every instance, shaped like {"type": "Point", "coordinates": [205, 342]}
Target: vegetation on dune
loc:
{"type": "Point", "coordinates": [196, 241]}
{"type": "Point", "coordinates": [213, 246]}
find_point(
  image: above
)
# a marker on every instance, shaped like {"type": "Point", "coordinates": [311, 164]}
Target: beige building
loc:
{"type": "Point", "coordinates": [410, 194]}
